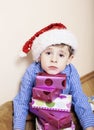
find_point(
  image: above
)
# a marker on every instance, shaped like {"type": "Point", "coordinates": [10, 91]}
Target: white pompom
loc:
{"type": "Point", "coordinates": [22, 54]}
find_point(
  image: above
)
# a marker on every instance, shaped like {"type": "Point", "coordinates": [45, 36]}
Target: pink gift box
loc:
{"type": "Point", "coordinates": [61, 103]}
{"type": "Point", "coordinates": [56, 118]}
{"type": "Point", "coordinates": [41, 124]}
{"type": "Point", "coordinates": [54, 81]}
{"type": "Point", "coordinates": [46, 94]}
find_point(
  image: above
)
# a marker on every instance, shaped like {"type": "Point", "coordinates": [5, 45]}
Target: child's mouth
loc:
{"type": "Point", "coordinates": [52, 67]}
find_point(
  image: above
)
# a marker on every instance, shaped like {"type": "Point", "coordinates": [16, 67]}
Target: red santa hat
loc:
{"type": "Point", "coordinates": [55, 33]}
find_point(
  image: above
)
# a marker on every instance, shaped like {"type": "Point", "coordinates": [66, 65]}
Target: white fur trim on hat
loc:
{"type": "Point", "coordinates": [55, 36]}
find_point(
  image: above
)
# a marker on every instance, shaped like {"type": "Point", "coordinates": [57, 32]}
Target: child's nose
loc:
{"type": "Point", "coordinates": [54, 59]}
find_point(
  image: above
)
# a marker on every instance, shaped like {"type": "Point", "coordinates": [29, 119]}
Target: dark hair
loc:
{"type": "Point", "coordinates": [71, 50]}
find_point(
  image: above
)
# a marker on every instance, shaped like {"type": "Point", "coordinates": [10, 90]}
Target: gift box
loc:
{"type": "Point", "coordinates": [46, 94]}
{"type": "Point", "coordinates": [41, 124]}
{"type": "Point", "coordinates": [61, 103]}
{"type": "Point", "coordinates": [48, 80]}
{"type": "Point", "coordinates": [56, 118]}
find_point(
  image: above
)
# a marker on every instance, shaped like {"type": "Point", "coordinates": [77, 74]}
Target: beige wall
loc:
{"type": "Point", "coordinates": [19, 19]}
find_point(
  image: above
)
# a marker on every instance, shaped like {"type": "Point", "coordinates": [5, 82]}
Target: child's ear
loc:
{"type": "Point", "coordinates": [70, 59]}
{"type": "Point", "coordinates": [39, 59]}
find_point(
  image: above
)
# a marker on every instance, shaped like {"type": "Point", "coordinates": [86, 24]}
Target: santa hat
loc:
{"type": "Point", "coordinates": [55, 33]}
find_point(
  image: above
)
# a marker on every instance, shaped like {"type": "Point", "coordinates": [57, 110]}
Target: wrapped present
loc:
{"type": "Point", "coordinates": [41, 124]}
{"type": "Point", "coordinates": [46, 94]}
{"type": "Point", "coordinates": [61, 103]}
{"type": "Point", "coordinates": [56, 118]}
{"type": "Point", "coordinates": [48, 80]}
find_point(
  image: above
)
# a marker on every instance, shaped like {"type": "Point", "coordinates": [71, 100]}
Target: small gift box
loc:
{"type": "Point", "coordinates": [48, 80]}
{"type": "Point", "coordinates": [43, 125]}
{"type": "Point", "coordinates": [56, 118]}
{"type": "Point", "coordinates": [61, 103]}
{"type": "Point", "coordinates": [46, 94]}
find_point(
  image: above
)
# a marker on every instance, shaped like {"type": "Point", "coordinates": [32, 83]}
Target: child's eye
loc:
{"type": "Point", "coordinates": [61, 55]}
{"type": "Point", "coordinates": [48, 53]}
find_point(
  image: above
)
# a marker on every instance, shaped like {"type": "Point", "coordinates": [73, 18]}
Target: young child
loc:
{"type": "Point", "coordinates": [53, 48]}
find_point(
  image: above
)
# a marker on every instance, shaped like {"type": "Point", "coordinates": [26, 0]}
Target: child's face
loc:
{"type": "Point", "coordinates": [55, 58]}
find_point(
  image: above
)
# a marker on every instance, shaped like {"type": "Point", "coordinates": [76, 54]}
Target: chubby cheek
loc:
{"type": "Point", "coordinates": [44, 60]}
{"type": "Point", "coordinates": [61, 68]}
{"type": "Point", "coordinates": [62, 65]}
{"type": "Point", "coordinates": [43, 64]}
